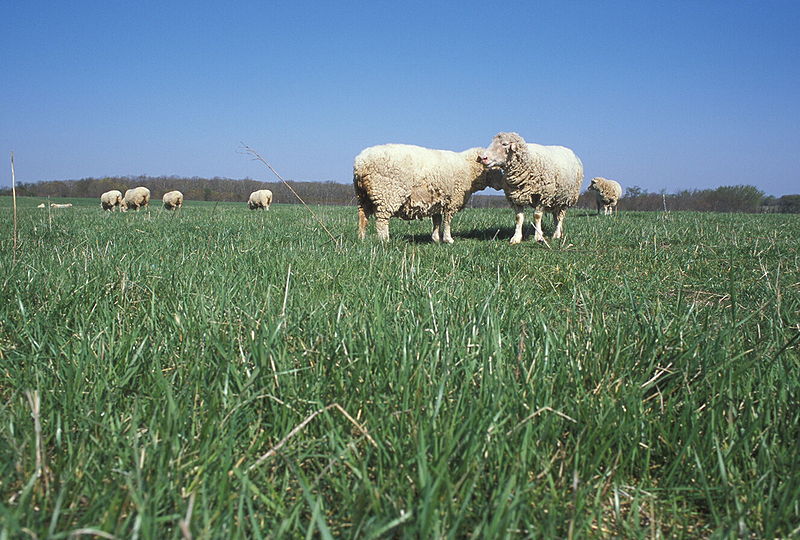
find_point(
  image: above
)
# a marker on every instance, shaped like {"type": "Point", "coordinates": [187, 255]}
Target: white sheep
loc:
{"type": "Point", "coordinates": [173, 200]}
{"type": "Point", "coordinates": [137, 198]}
{"type": "Point", "coordinates": [411, 182]}
{"type": "Point", "coordinates": [608, 193]}
{"type": "Point", "coordinates": [41, 205]}
{"type": "Point", "coordinates": [113, 199]}
{"type": "Point", "coordinates": [260, 199]}
{"type": "Point", "coordinates": [548, 178]}
{"type": "Point", "coordinates": [60, 205]}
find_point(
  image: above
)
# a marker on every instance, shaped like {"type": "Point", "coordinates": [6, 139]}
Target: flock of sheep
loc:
{"type": "Point", "coordinates": [139, 197]}
{"type": "Point", "coordinates": [411, 182]}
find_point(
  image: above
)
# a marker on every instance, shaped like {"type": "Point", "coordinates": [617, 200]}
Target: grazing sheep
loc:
{"type": "Point", "coordinates": [173, 200]}
{"type": "Point", "coordinates": [411, 182]}
{"type": "Point", "coordinates": [41, 205]}
{"type": "Point", "coordinates": [137, 198]}
{"type": "Point", "coordinates": [57, 205]}
{"type": "Point", "coordinates": [260, 199]}
{"type": "Point", "coordinates": [608, 193]}
{"type": "Point", "coordinates": [548, 178]}
{"type": "Point", "coordinates": [113, 199]}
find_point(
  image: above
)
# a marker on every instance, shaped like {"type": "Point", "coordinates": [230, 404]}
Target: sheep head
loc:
{"type": "Point", "coordinates": [594, 185]}
{"type": "Point", "coordinates": [502, 150]}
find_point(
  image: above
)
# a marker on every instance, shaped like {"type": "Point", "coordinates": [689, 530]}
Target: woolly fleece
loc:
{"type": "Point", "coordinates": [112, 199]}
{"type": "Point", "coordinates": [548, 178]}
{"type": "Point", "coordinates": [412, 182]}
{"type": "Point", "coordinates": [173, 200]}
{"type": "Point", "coordinates": [607, 192]}
{"type": "Point", "coordinates": [137, 197]}
{"type": "Point", "coordinates": [260, 199]}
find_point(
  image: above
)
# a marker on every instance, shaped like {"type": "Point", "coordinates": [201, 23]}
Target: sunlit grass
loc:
{"type": "Point", "coordinates": [638, 379]}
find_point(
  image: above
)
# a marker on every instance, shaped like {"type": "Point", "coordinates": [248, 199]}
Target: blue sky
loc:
{"type": "Point", "coordinates": [663, 95]}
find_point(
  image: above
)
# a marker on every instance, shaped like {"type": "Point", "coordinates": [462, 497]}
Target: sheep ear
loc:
{"type": "Point", "coordinates": [513, 146]}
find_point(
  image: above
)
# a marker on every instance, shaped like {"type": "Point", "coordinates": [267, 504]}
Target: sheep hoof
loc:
{"type": "Point", "coordinates": [448, 240]}
{"type": "Point", "coordinates": [515, 240]}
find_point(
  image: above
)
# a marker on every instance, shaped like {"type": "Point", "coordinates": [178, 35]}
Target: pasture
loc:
{"type": "Point", "coordinates": [223, 373]}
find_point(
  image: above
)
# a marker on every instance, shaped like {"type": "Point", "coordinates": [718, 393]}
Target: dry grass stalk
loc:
{"type": "Point", "coordinates": [186, 523]}
{"type": "Point", "coordinates": [91, 532]}
{"type": "Point", "coordinates": [14, 199]}
{"type": "Point", "coordinates": [41, 467]}
{"type": "Point", "coordinates": [272, 451]}
{"type": "Point", "coordinates": [537, 413]}
{"type": "Point", "coordinates": [258, 157]}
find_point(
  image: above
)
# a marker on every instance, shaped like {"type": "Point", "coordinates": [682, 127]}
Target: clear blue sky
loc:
{"type": "Point", "coordinates": [664, 95]}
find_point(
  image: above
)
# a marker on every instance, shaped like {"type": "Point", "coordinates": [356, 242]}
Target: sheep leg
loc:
{"type": "Point", "coordinates": [520, 219]}
{"type": "Point", "coordinates": [558, 221]}
{"type": "Point", "coordinates": [382, 226]}
{"type": "Point", "coordinates": [446, 238]}
{"type": "Point", "coordinates": [437, 223]}
{"type": "Point", "coordinates": [537, 225]}
{"type": "Point", "coordinates": [363, 220]}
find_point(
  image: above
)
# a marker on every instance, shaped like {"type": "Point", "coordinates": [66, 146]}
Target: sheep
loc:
{"type": "Point", "coordinates": [608, 193]}
{"type": "Point", "coordinates": [58, 205]}
{"type": "Point", "coordinates": [113, 199]}
{"type": "Point", "coordinates": [41, 205]}
{"type": "Point", "coordinates": [173, 200]}
{"type": "Point", "coordinates": [137, 198]}
{"type": "Point", "coordinates": [260, 199]}
{"type": "Point", "coordinates": [548, 178]}
{"type": "Point", "coordinates": [412, 182]}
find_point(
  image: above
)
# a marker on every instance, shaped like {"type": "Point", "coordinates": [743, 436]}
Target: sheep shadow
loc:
{"type": "Point", "coordinates": [419, 238]}
{"type": "Point", "coordinates": [499, 233]}
{"type": "Point", "coordinates": [487, 234]}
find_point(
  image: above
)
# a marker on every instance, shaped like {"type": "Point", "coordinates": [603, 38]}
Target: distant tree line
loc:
{"type": "Point", "coordinates": [741, 198]}
{"type": "Point", "coordinates": [194, 189]}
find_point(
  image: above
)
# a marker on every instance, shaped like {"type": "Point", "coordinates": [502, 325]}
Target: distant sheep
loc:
{"type": "Point", "coordinates": [548, 178]}
{"type": "Point", "coordinates": [113, 199]}
{"type": "Point", "coordinates": [608, 192]}
{"type": "Point", "coordinates": [260, 199]}
{"type": "Point", "coordinates": [412, 182]}
{"type": "Point", "coordinates": [57, 205]}
{"type": "Point", "coordinates": [173, 200]}
{"type": "Point", "coordinates": [138, 197]}
{"type": "Point", "coordinates": [41, 205]}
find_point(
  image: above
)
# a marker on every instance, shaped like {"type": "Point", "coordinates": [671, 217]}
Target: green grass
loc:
{"type": "Point", "coordinates": [641, 379]}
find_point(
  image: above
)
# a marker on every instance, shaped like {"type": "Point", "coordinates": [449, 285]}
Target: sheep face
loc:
{"type": "Point", "coordinates": [501, 151]}
{"type": "Point", "coordinates": [593, 185]}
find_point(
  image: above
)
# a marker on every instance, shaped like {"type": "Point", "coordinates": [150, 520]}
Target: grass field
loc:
{"type": "Point", "coordinates": [223, 373]}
